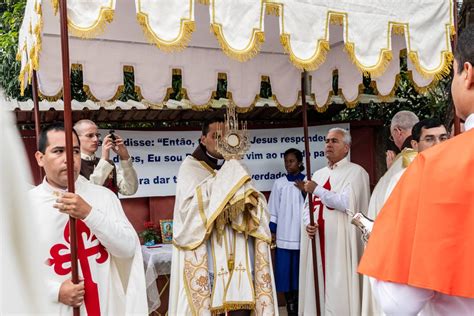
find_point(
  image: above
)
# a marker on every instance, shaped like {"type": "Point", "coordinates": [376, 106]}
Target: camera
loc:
{"type": "Point", "coordinates": [112, 135]}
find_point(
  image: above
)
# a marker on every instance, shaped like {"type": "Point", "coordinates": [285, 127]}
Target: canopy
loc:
{"type": "Point", "coordinates": [277, 39]}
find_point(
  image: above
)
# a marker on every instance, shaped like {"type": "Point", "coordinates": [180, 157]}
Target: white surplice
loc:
{"type": "Point", "coordinates": [111, 257]}
{"type": "Point", "coordinates": [286, 205]}
{"type": "Point", "coordinates": [380, 194]}
{"type": "Point", "coordinates": [218, 216]}
{"type": "Point", "coordinates": [342, 245]}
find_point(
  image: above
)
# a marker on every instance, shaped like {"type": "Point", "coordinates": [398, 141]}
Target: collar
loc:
{"type": "Point", "coordinates": [293, 178]}
{"type": "Point", "coordinates": [87, 157]}
{"type": "Point", "coordinates": [469, 123]}
{"type": "Point", "coordinates": [220, 162]}
{"type": "Point", "coordinates": [52, 190]}
{"type": "Point", "coordinates": [340, 163]}
{"type": "Point", "coordinates": [201, 155]}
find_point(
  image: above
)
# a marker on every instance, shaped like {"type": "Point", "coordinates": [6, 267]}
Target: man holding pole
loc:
{"type": "Point", "coordinates": [108, 250]}
{"type": "Point", "coordinates": [340, 186]}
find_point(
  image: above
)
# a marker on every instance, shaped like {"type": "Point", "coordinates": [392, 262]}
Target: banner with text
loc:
{"type": "Point", "coordinates": [157, 155]}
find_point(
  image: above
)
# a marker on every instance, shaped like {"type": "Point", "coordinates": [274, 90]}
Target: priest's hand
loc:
{"type": "Point", "coordinates": [73, 205]}
{"type": "Point", "coordinates": [71, 294]}
{"type": "Point", "coordinates": [107, 144]}
{"type": "Point", "coordinates": [309, 186]}
{"type": "Point", "coordinates": [390, 158]}
{"type": "Point", "coordinates": [311, 230]}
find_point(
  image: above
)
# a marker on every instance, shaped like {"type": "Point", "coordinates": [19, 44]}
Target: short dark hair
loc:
{"type": "Point", "coordinates": [426, 123]}
{"type": "Point", "coordinates": [43, 136]}
{"type": "Point", "coordinates": [207, 122]}
{"type": "Point", "coordinates": [464, 51]}
{"type": "Point", "coordinates": [298, 154]}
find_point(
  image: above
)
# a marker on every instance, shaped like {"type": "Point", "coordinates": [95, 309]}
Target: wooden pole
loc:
{"type": "Point", "coordinates": [454, 42]}
{"type": "Point", "coordinates": [310, 196]}
{"type": "Point", "coordinates": [68, 132]}
{"type": "Point", "coordinates": [34, 85]}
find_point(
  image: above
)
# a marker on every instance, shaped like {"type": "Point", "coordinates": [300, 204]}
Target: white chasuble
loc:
{"type": "Point", "coordinates": [339, 282]}
{"type": "Point", "coordinates": [221, 255]}
{"type": "Point", "coordinates": [109, 254]}
{"type": "Point", "coordinates": [380, 194]}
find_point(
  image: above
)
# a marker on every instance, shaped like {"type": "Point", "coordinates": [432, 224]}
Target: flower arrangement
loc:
{"type": "Point", "coordinates": [150, 235]}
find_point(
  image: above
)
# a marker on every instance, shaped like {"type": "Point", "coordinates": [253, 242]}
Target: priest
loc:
{"type": "Point", "coordinates": [109, 254]}
{"type": "Point", "coordinates": [420, 253]}
{"type": "Point", "coordinates": [221, 237]}
{"type": "Point", "coordinates": [340, 186]}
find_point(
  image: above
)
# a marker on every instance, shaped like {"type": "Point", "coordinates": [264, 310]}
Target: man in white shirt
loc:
{"type": "Point", "coordinates": [109, 254]}
{"type": "Point", "coordinates": [340, 186]}
{"type": "Point", "coordinates": [102, 171]}
{"type": "Point", "coordinates": [421, 246]}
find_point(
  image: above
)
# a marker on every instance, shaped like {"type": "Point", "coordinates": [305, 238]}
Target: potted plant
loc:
{"type": "Point", "coordinates": [149, 235]}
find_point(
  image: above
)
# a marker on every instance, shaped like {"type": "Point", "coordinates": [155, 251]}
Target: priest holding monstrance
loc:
{"type": "Point", "coordinates": [221, 254]}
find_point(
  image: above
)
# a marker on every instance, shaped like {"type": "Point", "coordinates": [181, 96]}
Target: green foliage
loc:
{"type": "Point", "coordinates": [11, 15]}
{"type": "Point", "coordinates": [433, 103]}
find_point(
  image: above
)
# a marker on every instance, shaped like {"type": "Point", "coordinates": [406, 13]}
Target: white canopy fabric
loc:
{"type": "Point", "coordinates": [350, 36]}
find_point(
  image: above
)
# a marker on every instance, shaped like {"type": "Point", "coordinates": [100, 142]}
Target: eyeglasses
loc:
{"type": "Point", "coordinates": [92, 135]}
{"type": "Point", "coordinates": [431, 139]}
{"type": "Point", "coordinates": [390, 138]}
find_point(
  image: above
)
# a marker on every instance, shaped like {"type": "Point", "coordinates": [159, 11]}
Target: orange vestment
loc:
{"type": "Point", "coordinates": [424, 235]}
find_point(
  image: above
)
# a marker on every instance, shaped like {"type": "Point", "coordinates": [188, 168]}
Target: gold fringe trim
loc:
{"type": "Point", "coordinates": [308, 64]}
{"type": "Point", "coordinates": [443, 70]}
{"type": "Point", "coordinates": [252, 49]}
{"type": "Point", "coordinates": [229, 307]}
{"type": "Point", "coordinates": [55, 4]}
{"type": "Point", "coordinates": [284, 109]}
{"type": "Point", "coordinates": [178, 44]}
{"type": "Point", "coordinates": [106, 15]}
{"type": "Point", "coordinates": [51, 98]}
{"type": "Point", "coordinates": [21, 78]}
{"type": "Point", "coordinates": [272, 9]}
{"type": "Point", "coordinates": [378, 69]}
{"type": "Point", "coordinates": [204, 2]}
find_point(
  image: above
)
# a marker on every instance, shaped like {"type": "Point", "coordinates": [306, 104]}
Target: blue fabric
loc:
{"type": "Point", "coordinates": [273, 227]}
{"type": "Point", "coordinates": [293, 178]}
{"type": "Point", "coordinates": [287, 266]}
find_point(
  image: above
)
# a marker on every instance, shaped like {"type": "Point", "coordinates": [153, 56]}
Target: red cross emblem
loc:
{"type": "Point", "coordinates": [61, 258]}
{"type": "Point", "coordinates": [318, 204]}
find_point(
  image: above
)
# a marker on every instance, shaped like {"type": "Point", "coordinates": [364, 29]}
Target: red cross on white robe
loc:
{"type": "Point", "coordinates": [320, 221]}
{"type": "Point", "coordinates": [61, 256]}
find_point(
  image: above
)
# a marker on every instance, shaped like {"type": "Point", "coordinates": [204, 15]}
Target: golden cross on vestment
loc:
{"type": "Point", "coordinates": [222, 274]}
{"type": "Point", "coordinates": [240, 269]}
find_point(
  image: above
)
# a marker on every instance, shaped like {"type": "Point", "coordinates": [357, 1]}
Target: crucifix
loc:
{"type": "Point", "coordinates": [240, 269]}
{"type": "Point", "coordinates": [222, 274]}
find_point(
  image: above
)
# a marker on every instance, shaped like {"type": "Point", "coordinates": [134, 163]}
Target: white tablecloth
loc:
{"type": "Point", "coordinates": [157, 262]}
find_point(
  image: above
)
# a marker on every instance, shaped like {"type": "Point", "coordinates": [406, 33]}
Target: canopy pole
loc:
{"type": "Point", "coordinates": [304, 79]}
{"type": "Point", "coordinates": [68, 132]}
{"type": "Point", "coordinates": [34, 85]}
{"type": "Point", "coordinates": [454, 42]}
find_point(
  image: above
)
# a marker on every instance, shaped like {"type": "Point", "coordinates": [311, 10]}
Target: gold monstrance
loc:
{"type": "Point", "coordinates": [233, 142]}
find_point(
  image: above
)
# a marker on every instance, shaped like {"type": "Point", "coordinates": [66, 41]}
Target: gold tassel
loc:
{"type": "Point", "coordinates": [309, 64]}
{"type": "Point", "coordinates": [106, 15]}
{"type": "Point", "coordinates": [439, 73]}
{"type": "Point", "coordinates": [385, 57]}
{"type": "Point", "coordinates": [204, 2]}
{"type": "Point", "coordinates": [55, 4]}
{"type": "Point", "coordinates": [175, 45]}
{"type": "Point", "coordinates": [272, 8]}
{"type": "Point", "coordinates": [258, 37]}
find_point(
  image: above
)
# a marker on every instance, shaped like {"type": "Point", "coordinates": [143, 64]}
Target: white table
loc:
{"type": "Point", "coordinates": [157, 261]}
